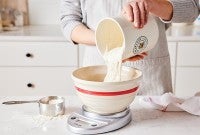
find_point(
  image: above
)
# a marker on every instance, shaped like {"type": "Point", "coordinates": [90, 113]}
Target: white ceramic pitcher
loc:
{"type": "Point", "coordinates": [118, 32]}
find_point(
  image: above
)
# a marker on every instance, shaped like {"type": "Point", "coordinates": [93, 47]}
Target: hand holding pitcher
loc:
{"type": "Point", "coordinates": [118, 32]}
{"type": "Point", "coordinates": [137, 11]}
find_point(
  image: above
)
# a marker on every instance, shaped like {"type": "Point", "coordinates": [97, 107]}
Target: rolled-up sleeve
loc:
{"type": "Point", "coordinates": [70, 17]}
{"type": "Point", "coordinates": [184, 11]}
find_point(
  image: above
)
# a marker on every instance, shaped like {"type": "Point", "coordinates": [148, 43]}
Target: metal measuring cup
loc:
{"type": "Point", "coordinates": [48, 106]}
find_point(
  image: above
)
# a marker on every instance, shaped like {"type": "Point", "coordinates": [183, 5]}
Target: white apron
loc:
{"type": "Point", "coordinates": [156, 66]}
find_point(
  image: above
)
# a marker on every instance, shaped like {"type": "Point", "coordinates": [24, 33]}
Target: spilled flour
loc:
{"type": "Point", "coordinates": [113, 60]}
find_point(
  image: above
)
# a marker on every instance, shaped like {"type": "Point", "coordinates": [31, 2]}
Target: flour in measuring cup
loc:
{"type": "Point", "coordinates": [113, 60]}
{"type": "Point", "coordinates": [55, 101]}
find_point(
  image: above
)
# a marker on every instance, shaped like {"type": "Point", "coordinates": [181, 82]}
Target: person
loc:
{"type": "Point", "coordinates": [79, 19]}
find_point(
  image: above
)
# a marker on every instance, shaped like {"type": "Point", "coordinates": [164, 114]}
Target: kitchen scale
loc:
{"type": "Point", "coordinates": [86, 122]}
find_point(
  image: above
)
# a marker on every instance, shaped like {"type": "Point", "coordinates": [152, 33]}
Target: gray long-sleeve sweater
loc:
{"type": "Point", "coordinates": [73, 13]}
{"type": "Point", "coordinates": [185, 10]}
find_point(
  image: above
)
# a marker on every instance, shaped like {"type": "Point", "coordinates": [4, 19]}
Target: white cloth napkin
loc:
{"type": "Point", "coordinates": [169, 102]}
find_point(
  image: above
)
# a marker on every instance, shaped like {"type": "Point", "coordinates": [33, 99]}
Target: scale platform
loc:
{"type": "Point", "coordinates": [85, 122]}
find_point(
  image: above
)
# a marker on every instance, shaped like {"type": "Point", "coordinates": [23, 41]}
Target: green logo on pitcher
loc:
{"type": "Point", "coordinates": [140, 44]}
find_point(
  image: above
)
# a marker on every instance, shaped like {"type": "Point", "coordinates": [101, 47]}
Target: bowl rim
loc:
{"type": "Point", "coordinates": [105, 83]}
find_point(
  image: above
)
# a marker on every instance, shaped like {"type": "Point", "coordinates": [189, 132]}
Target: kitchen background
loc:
{"type": "Point", "coordinates": [37, 60]}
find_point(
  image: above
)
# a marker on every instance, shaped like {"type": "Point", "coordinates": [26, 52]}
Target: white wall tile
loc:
{"type": "Point", "coordinates": [43, 12]}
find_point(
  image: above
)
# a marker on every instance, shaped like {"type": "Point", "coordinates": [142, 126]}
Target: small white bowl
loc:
{"type": "Point", "coordinates": [106, 97]}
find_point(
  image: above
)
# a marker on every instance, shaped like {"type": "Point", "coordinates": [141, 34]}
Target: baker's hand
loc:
{"type": "Point", "coordinates": [136, 57]}
{"type": "Point", "coordinates": [137, 12]}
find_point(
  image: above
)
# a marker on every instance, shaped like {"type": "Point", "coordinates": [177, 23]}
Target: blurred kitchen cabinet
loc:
{"type": "Point", "coordinates": [81, 49]}
{"type": "Point", "coordinates": [172, 46]}
{"type": "Point", "coordinates": [172, 51]}
{"type": "Point", "coordinates": [188, 69]}
{"type": "Point", "coordinates": [188, 54]}
{"type": "Point", "coordinates": [29, 81]}
{"type": "Point", "coordinates": [37, 68]}
{"type": "Point", "coordinates": [188, 81]}
{"type": "Point", "coordinates": [36, 61]}
{"type": "Point", "coordinates": [173, 74]}
{"type": "Point", "coordinates": [38, 54]}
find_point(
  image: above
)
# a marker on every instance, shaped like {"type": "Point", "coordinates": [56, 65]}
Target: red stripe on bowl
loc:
{"type": "Point", "coordinates": [123, 92]}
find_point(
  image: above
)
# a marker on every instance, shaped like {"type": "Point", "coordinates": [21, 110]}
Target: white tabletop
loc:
{"type": "Point", "coordinates": [34, 33]}
{"type": "Point", "coordinates": [53, 33]}
{"type": "Point", "coordinates": [25, 120]}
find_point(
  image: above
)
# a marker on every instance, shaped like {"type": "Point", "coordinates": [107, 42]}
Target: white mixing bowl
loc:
{"type": "Point", "coordinates": [106, 97]}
